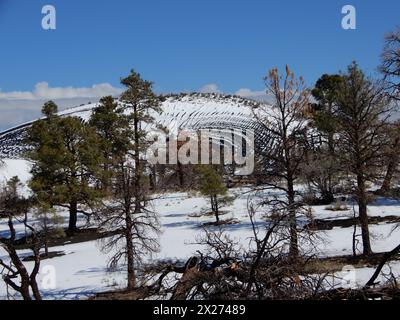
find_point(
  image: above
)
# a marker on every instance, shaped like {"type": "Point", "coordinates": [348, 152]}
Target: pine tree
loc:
{"type": "Point", "coordinates": [141, 101]}
{"type": "Point", "coordinates": [325, 93]}
{"type": "Point", "coordinates": [66, 159]}
{"type": "Point", "coordinates": [322, 168]}
{"type": "Point", "coordinates": [127, 214]}
{"type": "Point", "coordinates": [362, 116]}
{"type": "Point", "coordinates": [112, 126]}
{"type": "Point", "coordinates": [213, 187]}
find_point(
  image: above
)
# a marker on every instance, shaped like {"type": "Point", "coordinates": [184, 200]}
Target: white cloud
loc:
{"type": "Point", "coordinates": [15, 112]}
{"type": "Point", "coordinates": [43, 91]}
{"type": "Point", "coordinates": [256, 95]}
{"type": "Point", "coordinates": [17, 107]}
{"type": "Point", "coordinates": [245, 92]}
{"type": "Point", "coordinates": [210, 88]}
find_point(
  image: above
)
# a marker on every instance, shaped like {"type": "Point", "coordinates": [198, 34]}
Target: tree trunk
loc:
{"type": "Point", "coordinates": [26, 280]}
{"type": "Point", "coordinates": [23, 289]}
{"type": "Point", "coordinates": [137, 161]}
{"type": "Point", "coordinates": [388, 177]}
{"type": "Point", "coordinates": [129, 253]}
{"type": "Point", "coordinates": [327, 196]}
{"type": "Point", "coordinates": [354, 244]}
{"type": "Point", "coordinates": [180, 174]}
{"type": "Point", "coordinates": [293, 248]}
{"type": "Point", "coordinates": [73, 216]}
{"type": "Point", "coordinates": [105, 181]}
{"type": "Point", "coordinates": [35, 289]}
{"type": "Point", "coordinates": [216, 209]}
{"type": "Point", "coordinates": [46, 248]}
{"type": "Point", "coordinates": [362, 214]}
{"type": "Point", "coordinates": [331, 151]}
{"type": "Point", "coordinates": [46, 240]}
{"type": "Point", "coordinates": [378, 270]}
{"type": "Point", "coordinates": [35, 271]}
{"type": "Point", "coordinates": [185, 283]}
{"type": "Point", "coordinates": [153, 178]}
{"type": "Point", "coordinates": [391, 168]}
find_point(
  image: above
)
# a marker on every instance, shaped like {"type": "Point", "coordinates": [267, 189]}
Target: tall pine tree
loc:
{"type": "Point", "coordinates": [66, 158]}
{"type": "Point", "coordinates": [113, 128]}
{"type": "Point", "coordinates": [127, 214]}
{"type": "Point", "coordinates": [362, 116]}
{"type": "Point", "coordinates": [140, 99]}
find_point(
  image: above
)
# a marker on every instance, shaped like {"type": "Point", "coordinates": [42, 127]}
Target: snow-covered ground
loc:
{"type": "Point", "coordinates": [83, 269]}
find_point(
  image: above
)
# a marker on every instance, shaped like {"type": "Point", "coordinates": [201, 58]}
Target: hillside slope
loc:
{"type": "Point", "coordinates": [189, 111]}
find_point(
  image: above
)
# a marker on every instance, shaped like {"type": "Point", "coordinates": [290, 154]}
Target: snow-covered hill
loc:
{"type": "Point", "coordinates": [188, 111]}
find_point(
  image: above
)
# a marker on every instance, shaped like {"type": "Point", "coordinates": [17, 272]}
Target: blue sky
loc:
{"type": "Point", "coordinates": [183, 45]}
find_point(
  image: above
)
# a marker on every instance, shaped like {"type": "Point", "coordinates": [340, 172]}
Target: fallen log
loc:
{"type": "Point", "coordinates": [386, 257]}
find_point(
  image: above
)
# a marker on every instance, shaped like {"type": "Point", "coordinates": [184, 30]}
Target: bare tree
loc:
{"type": "Point", "coordinates": [15, 208]}
{"type": "Point", "coordinates": [284, 121]}
{"type": "Point", "coordinates": [135, 232]}
{"type": "Point", "coordinates": [390, 63]}
{"type": "Point", "coordinates": [320, 171]}
{"type": "Point", "coordinates": [225, 270]}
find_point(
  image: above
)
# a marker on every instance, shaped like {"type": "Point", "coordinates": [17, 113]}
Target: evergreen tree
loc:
{"type": "Point", "coordinates": [112, 126]}
{"type": "Point", "coordinates": [127, 214]}
{"type": "Point", "coordinates": [322, 168]}
{"type": "Point", "coordinates": [362, 115]}
{"type": "Point", "coordinates": [141, 101]}
{"type": "Point", "coordinates": [213, 187]}
{"type": "Point", "coordinates": [66, 159]}
{"type": "Point", "coordinates": [325, 93]}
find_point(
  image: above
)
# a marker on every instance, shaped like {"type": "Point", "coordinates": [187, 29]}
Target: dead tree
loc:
{"type": "Point", "coordinates": [390, 63]}
{"type": "Point", "coordinates": [285, 122]}
{"type": "Point", "coordinates": [225, 270]}
{"type": "Point", "coordinates": [378, 270]}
